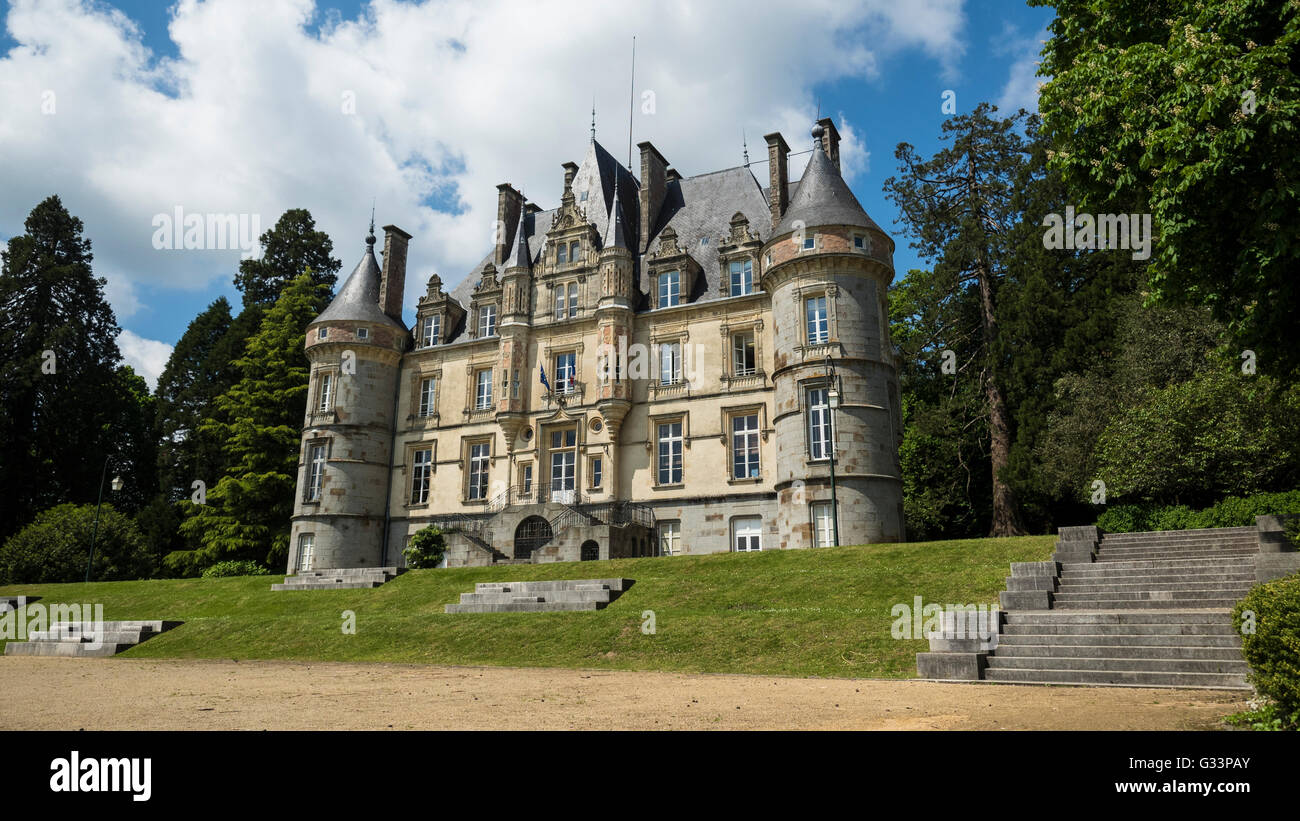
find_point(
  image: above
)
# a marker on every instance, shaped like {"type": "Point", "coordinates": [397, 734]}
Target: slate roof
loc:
{"type": "Point", "coordinates": [823, 198]}
{"type": "Point", "coordinates": [358, 299]}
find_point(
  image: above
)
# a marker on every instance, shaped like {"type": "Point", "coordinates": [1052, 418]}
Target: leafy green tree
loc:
{"type": "Point", "coordinates": [55, 547]}
{"type": "Point", "coordinates": [292, 247]}
{"type": "Point", "coordinates": [65, 406]}
{"type": "Point", "coordinates": [259, 420]}
{"type": "Point", "coordinates": [1195, 442]}
{"type": "Point", "coordinates": [426, 549]}
{"type": "Point", "coordinates": [1191, 112]}
{"type": "Point", "coordinates": [959, 211]}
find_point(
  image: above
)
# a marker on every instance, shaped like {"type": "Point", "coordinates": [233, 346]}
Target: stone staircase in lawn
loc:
{"type": "Point", "coordinates": [347, 578]}
{"type": "Point", "coordinates": [1136, 609]}
{"type": "Point", "coordinates": [541, 597]}
{"type": "Point", "coordinates": [87, 639]}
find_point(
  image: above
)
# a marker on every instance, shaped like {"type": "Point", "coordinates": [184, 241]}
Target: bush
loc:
{"type": "Point", "coordinates": [426, 549]}
{"type": "Point", "coordinates": [56, 547]}
{"type": "Point", "coordinates": [1234, 511]}
{"type": "Point", "coordinates": [1273, 648]}
{"type": "Point", "coordinates": [241, 567]}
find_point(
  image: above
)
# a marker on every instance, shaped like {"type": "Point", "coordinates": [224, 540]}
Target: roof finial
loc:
{"type": "Point", "coordinates": [593, 119]}
{"type": "Point", "coordinates": [370, 239]}
{"type": "Point", "coordinates": [745, 144]}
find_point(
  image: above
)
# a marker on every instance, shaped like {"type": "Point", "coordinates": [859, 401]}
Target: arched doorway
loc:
{"type": "Point", "coordinates": [590, 551]}
{"type": "Point", "coordinates": [531, 534]}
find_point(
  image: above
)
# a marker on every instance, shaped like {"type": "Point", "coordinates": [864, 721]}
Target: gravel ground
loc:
{"type": "Point", "coordinates": [126, 694]}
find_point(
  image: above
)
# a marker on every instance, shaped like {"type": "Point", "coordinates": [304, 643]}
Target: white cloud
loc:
{"type": "Point", "coordinates": [1021, 88]}
{"type": "Point", "coordinates": [147, 356]}
{"type": "Point", "coordinates": [450, 97]}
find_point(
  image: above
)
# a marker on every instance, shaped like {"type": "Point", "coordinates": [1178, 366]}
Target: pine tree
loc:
{"type": "Point", "coordinates": [959, 212]}
{"type": "Point", "coordinates": [63, 401]}
{"type": "Point", "coordinates": [259, 422]}
{"type": "Point", "coordinates": [292, 247]}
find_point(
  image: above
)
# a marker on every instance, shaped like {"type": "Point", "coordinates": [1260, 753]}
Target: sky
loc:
{"type": "Point", "coordinates": [139, 113]}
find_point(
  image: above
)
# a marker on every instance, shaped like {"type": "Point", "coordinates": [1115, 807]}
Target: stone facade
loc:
{"type": "Point", "coordinates": [685, 326]}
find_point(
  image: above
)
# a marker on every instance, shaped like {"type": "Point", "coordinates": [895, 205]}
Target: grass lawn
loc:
{"type": "Point", "coordinates": [822, 612]}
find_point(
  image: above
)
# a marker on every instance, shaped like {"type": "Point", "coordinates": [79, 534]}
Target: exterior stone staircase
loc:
{"type": "Point", "coordinates": [1135, 609]}
{"type": "Point", "coordinates": [87, 639]}
{"type": "Point", "coordinates": [347, 578]}
{"type": "Point", "coordinates": [541, 597]}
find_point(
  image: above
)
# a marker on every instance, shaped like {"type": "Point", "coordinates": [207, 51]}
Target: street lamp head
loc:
{"type": "Point", "coordinates": [117, 483]}
{"type": "Point", "coordinates": [833, 398]}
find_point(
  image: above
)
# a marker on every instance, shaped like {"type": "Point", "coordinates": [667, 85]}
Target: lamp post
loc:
{"type": "Point", "coordinates": [117, 485]}
{"type": "Point", "coordinates": [833, 402]}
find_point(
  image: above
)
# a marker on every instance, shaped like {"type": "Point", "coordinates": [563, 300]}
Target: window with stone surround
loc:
{"type": "Point", "coordinates": [430, 330]}
{"type": "Point", "coordinates": [317, 453]}
{"type": "Point", "coordinates": [566, 372]}
{"type": "Point", "coordinates": [742, 276]}
{"type": "Point", "coordinates": [596, 472]}
{"type": "Point", "coordinates": [818, 411]}
{"type": "Point", "coordinates": [566, 300]}
{"type": "Point", "coordinates": [306, 547]}
{"type": "Point", "coordinates": [670, 461]}
{"type": "Point", "coordinates": [325, 392]}
{"type": "Point", "coordinates": [823, 524]}
{"type": "Point", "coordinates": [670, 289]}
{"type": "Point", "coordinates": [487, 320]}
{"type": "Point", "coordinates": [421, 474]}
{"type": "Point", "coordinates": [747, 533]}
{"type": "Point", "coordinates": [744, 446]}
{"type": "Point", "coordinates": [428, 392]}
{"type": "Point", "coordinates": [670, 538]}
{"type": "Point", "coordinates": [478, 455]}
{"type": "Point", "coordinates": [816, 320]}
{"type": "Point", "coordinates": [744, 354]}
{"type": "Point", "coordinates": [483, 389]}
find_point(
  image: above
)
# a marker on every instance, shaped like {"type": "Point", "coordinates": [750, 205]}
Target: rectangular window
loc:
{"type": "Point", "coordinates": [747, 533]}
{"type": "Point", "coordinates": [326, 392]}
{"type": "Point", "coordinates": [487, 320]}
{"type": "Point", "coordinates": [670, 538]}
{"type": "Point", "coordinates": [514, 385]}
{"type": "Point", "coordinates": [859, 241]}
{"type": "Point", "coordinates": [315, 472]}
{"type": "Point", "coordinates": [566, 370]}
{"type": "Point", "coordinates": [478, 470]}
{"type": "Point", "coordinates": [427, 388]}
{"type": "Point", "coordinates": [742, 355]}
{"type": "Point", "coordinates": [323, 333]}
{"type": "Point", "coordinates": [670, 453]}
{"type": "Point", "coordinates": [363, 333]}
{"type": "Point", "coordinates": [421, 471]}
{"type": "Point", "coordinates": [564, 455]}
{"type": "Point", "coordinates": [573, 251]}
{"type": "Point", "coordinates": [809, 243]}
{"type": "Point", "coordinates": [561, 253]}
{"type": "Point", "coordinates": [430, 330]}
{"type": "Point", "coordinates": [306, 547]}
{"type": "Point", "coordinates": [597, 471]}
{"type": "Point", "coordinates": [817, 324]}
{"type": "Point", "coordinates": [573, 299]}
{"type": "Point", "coordinates": [526, 478]}
{"type": "Point", "coordinates": [744, 447]}
{"type": "Point", "coordinates": [819, 424]}
{"type": "Point", "coordinates": [670, 289]}
{"type": "Point", "coordinates": [823, 525]}
{"type": "Point", "coordinates": [483, 390]}
{"type": "Point", "coordinates": [670, 363]}
{"type": "Point", "coordinates": [742, 277]}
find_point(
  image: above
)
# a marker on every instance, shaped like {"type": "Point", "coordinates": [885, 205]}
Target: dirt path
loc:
{"type": "Point", "coordinates": [109, 694]}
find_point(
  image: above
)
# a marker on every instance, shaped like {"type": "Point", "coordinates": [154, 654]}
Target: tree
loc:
{"type": "Point", "coordinates": [56, 547]}
{"type": "Point", "coordinates": [64, 404]}
{"type": "Point", "coordinates": [426, 549]}
{"type": "Point", "coordinates": [289, 249]}
{"type": "Point", "coordinates": [958, 210]}
{"type": "Point", "coordinates": [259, 420]}
{"type": "Point", "coordinates": [1191, 112]}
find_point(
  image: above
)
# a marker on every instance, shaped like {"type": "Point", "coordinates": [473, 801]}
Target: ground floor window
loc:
{"type": "Point", "coordinates": [306, 546]}
{"type": "Point", "coordinates": [670, 538]}
{"type": "Point", "coordinates": [823, 525]}
{"type": "Point", "coordinates": [747, 533]}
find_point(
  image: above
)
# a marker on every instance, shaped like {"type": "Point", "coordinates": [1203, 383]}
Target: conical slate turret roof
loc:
{"type": "Point", "coordinates": [823, 198]}
{"type": "Point", "coordinates": [358, 299]}
{"type": "Point", "coordinates": [614, 235]}
{"type": "Point", "coordinates": [521, 258]}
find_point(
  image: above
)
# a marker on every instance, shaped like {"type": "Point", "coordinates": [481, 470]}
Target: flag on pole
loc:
{"type": "Point", "coordinates": [544, 380]}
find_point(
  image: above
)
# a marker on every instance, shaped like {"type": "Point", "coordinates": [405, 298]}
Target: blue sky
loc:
{"type": "Point", "coordinates": [232, 106]}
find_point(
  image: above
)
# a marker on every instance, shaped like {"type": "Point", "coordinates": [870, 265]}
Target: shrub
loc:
{"type": "Point", "coordinates": [1234, 511]}
{"type": "Point", "coordinates": [239, 567]}
{"type": "Point", "coordinates": [426, 549]}
{"type": "Point", "coordinates": [56, 547]}
{"type": "Point", "coordinates": [1273, 648]}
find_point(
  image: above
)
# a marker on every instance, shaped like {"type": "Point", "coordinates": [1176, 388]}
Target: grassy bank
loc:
{"type": "Point", "coordinates": [819, 612]}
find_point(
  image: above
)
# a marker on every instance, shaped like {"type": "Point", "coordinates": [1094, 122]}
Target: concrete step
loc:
{"type": "Point", "coordinates": [525, 607]}
{"type": "Point", "coordinates": [1147, 604]}
{"type": "Point", "coordinates": [1131, 678]}
{"type": "Point", "coordinates": [1105, 649]}
{"type": "Point", "coordinates": [1115, 565]}
{"type": "Point", "coordinates": [1150, 641]}
{"type": "Point", "coordinates": [107, 636]}
{"type": "Point", "coordinates": [1203, 531]}
{"type": "Point", "coordinates": [1195, 595]}
{"type": "Point", "coordinates": [88, 639]}
{"type": "Point", "coordinates": [1152, 665]}
{"type": "Point", "coordinates": [1116, 586]}
{"type": "Point", "coordinates": [554, 596]}
{"type": "Point", "coordinates": [1126, 554]}
{"type": "Point", "coordinates": [67, 649]}
{"type": "Point", "coordinates": [326, 585]}
{"type": "Point", "coordinates": [540, 587]}
{"type": "Point", "coordinates": [1137, 575]}
{"type": "Point", "coordinates": [350, 571]}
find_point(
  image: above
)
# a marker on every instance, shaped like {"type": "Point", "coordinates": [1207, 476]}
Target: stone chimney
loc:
{"type": "Point", "coordinates": [570, 171]}
{"type": "Point", "coordinates": [509, 203]}
{"type": "Point", "coordinates": [778, 175]}
{"type": "Point", "coordinates": [830, 140]}
{"type": "Point", "coordinates": [671, 175]}
{"type": "Point", "coordinates": [392, 282]}
{"type": "Point", "coordinates": [654, 186]}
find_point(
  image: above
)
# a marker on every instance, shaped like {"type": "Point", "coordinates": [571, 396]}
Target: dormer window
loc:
{"type": "Point", "coordinates": [322, 333]}
{"type": "Point", "coordinates": [670, 289]}
{"type": "Point", "coordinates": [742, 277]}
{"type": "Point", "coordinates": [363, 333]}
{"type": "Point", "coordinates": [430, 330]}
{"type": "Point", "coordinates": [561, 253]}
{"type": "Point", "coordinates": [487, 320]}
{"type": "Point", "coordinates": [574, 251]}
